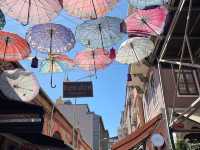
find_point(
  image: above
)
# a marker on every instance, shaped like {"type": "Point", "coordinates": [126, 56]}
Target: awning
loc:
{"type": "Point", "coordinates": [20, 117]}
{"type": "Point", "coordinates": [43, 140]}
{"type": "Point", "coordinates": [138, 136]}
{"type": "Point", "coordinates": [36, 142]}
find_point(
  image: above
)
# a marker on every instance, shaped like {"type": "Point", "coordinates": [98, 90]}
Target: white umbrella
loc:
{"type": "Point", "coordinates": [134, 50]}
{"type": "Point", "coordinates": [19, 85]}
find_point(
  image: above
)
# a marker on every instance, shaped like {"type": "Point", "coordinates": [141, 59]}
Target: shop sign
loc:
{"type": "Point", "coordinates": [77, 89]}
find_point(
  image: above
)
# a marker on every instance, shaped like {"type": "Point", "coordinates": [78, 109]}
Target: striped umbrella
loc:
{"type": "Point", "coordinates": [88, 9]}
{"type": "Point", "coordinates": [56, 64]}
{"type": "Point", "coordinates": [13, 47]}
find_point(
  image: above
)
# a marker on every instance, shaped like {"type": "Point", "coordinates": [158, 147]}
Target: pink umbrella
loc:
{"type": "Point", "coordinates": [146, 22]}
{"type": "Point", "coordinates": [88, 9]}
{"type": "Point", "coordinates": [93, 60]}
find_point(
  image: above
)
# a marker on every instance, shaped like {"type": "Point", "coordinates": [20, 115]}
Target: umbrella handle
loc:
{"type": "Point", "coordinates": [52, 86]}
{"type": "Point", "coordinates": [28, 17]}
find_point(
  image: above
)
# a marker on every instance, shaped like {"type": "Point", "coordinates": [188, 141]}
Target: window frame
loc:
{"type": "Point", "coordinates": [196, 84]}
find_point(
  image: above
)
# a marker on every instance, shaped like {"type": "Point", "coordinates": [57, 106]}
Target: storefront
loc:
{"type": "Point", "coordinates": [21, 127]}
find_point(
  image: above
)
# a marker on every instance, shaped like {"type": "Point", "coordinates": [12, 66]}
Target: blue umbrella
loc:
{"type": "Point", "coordinates": [51, 38]}
{"type": "Point", "coordinates": [100, 33]}
{"type": "Point", "coordinates": [141, 4]}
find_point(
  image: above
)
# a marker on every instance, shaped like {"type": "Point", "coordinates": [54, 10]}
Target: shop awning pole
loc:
{"type": "Point", "coordinates": [180, 63]}
{"type": "Point", "coordinates": [186, 111]}
{"type": "Point", "coordinates": [176, 17]}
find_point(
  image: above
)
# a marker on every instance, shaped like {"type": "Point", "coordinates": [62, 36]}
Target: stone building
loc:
{"type": "Point", "coordinates": [90, 124]}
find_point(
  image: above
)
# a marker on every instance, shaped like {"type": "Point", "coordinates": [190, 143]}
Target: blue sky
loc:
{"type": "Point", "coordinates": [109, 87]}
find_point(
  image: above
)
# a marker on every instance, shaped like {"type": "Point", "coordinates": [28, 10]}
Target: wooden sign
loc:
{"type": "Point", "coordinates": [77, 89]}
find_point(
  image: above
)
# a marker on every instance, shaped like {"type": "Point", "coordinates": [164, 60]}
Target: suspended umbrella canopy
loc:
{"type": "Point", "coordinates": [51, 38]}
{"type": "Point", "coordinates": [88, 9]}
{"type": "Point", "coordinates": [93, 60]}
{"type": "Point", "coordinates": [146, 22]}
{"type": "Point", "coordinates": [31, 11]}
{"type": "Point", "coordinates": [134, 50]}
{"type": "Point", "coordinates": [60, 62]}
{"type": "Point", "coordinates": [13, 47]}
{"type": "Point", "coordinates": [2, 20]}
{"type": "Point", "coordinates": [56, 64]}
{"type": "Point", "coordinates": [19, 85]}
{"type": "Point", "coordinates": [100, 33]}
{"type": "Point", "coordinates": [141, 4]}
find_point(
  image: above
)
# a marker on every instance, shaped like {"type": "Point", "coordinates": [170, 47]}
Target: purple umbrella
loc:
{"type": "Point", "coordinates": [51, 38]}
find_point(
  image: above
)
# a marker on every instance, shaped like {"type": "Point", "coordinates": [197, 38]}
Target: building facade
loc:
{"type": "Point", "coordinates": [54, 124]}
{"type": "Point", "coordinates": [159, 95]}
{"type": "Point", "coordinates": [58, 126]}
{"type": "Point", "coordinates": [90, 124]}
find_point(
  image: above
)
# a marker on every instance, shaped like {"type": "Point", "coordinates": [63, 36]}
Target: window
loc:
{"type": "Point", "coordinates": [151, 91]}
{"type": "Point", "coordinates": [187, 84]}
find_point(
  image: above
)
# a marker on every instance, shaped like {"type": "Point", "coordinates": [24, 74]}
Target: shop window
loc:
{"type": "Point", "coordinates": [187, 84]}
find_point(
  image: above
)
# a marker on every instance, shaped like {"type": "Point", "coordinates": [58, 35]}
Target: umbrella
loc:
{"type": "Point", "coordinates": [93, 60]}
{"type": "Point", "coordinates": [141, 4]}
{"type": "Point", "coordinates": [31, 11]}
{"type": "Point", "coordinates": [52, 38]}
{"type": "Point", "coordinates": [146, 22]}
{"type": "Point", "coordinates": [88, 9]}
{"type": "Point", "coordinates": [134, 50]}
{"type": "Point", "coordinates": [55, 64]}
{"type": "Point", "coordinates": [13, 47]}
{"type": "Point", "coordinates": [2, 20]}
{"type": "Point", "coordinates": [100, 33]}
{"type": "Point", "coordinates": [19, 85]}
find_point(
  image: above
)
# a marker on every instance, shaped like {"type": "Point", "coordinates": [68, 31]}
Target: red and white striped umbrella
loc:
{"type": "Point", "coordinates": [146, 22]}
{"type": "Point", "coordinates": [93, 60]}
{"type": "Point", "coordinates": [13, 47]}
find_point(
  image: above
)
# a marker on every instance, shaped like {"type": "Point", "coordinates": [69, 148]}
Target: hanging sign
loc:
{"type": "Point", "coordinates": [77, 89]}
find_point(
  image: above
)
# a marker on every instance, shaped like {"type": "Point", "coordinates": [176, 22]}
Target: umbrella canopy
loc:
{"type": "Point", "coordinates": [19, 85]}
{"type": "Point", "coordinates": [141, 4]}
{"type": "Point", "coordinates": [2, 20]}
{"type": "Point", "coordinates": [93, 60]}
{"type": "Point", "coordinates": [134, 50]}
{"type": "Point", "coordinates": [52, 38]}
{"type": "Point", "coordinates": [99, 33]}
{"type": "Point", "coordinates": [88, 9]}
{"type": "Point", "coordinates": [31, 11]}
{"type": "Point", "coordinates": [55, 64]}
{"type": "Point", "coordinates": [146, 22]}
{"type": "Point", "coordinates": [13, 47]}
